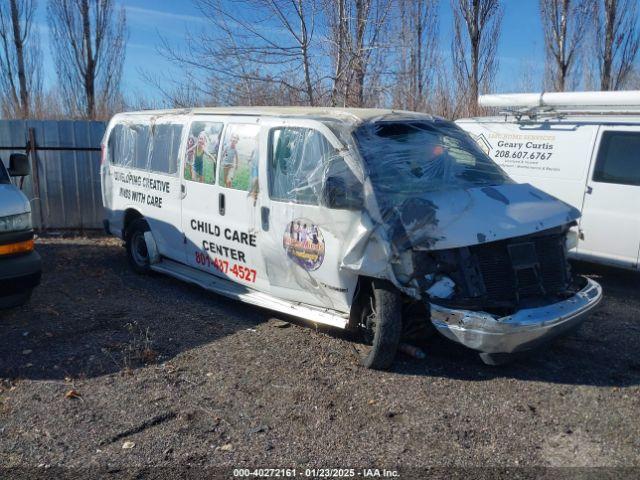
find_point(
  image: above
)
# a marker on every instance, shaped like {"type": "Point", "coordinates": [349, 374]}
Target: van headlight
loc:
{"type": "Point", "coordinates": [571, 240]}
{"type": "Point", "coordinates": [15, 223]}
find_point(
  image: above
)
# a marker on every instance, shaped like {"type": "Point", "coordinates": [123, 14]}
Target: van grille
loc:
{"type": "Point", "coordinates": [524, 267]}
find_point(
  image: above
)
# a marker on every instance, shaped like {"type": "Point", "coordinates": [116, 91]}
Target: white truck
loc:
{"type": "Point", "coordinates": [20, 267]}
{"type": "Point", "coordinates": [581, 147]}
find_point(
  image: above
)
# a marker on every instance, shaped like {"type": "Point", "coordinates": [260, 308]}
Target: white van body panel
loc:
{"type": "Point", "coordinates": [12, 201]}
{"type": "Point", "coordinates": [610, 224]}
{"type": "Point", "coordinates": [237, 244]}
{"type": "Point", "coordinates": [558, 156]}
{"type": "Point", "coordinates": [554, 158]}
{"type": "Point", "coordinates": [188, 227]}
{"type": "Point", "coordinates": [155, 195]}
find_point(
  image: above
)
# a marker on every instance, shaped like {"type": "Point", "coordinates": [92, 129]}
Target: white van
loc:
{"type": "Point", "coordinates": [581, 147]}
{"type": "Point", "coordinates": [20, 264]}
{"type": "Point", "coordinates": [379, 221]}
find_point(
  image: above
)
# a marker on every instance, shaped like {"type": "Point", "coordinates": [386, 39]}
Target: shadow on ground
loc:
{"type": "Point", "coordinates": [92, 316]}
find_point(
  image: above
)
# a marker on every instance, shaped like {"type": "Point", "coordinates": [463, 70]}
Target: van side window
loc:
{"type": "Point", "coordinates": [142, 143]}
{"type": "Point", "coordinates": [121, 146]}
{"type": "Point", "coordinates": [618, 158]}
{"type": "Point", "coordinates": [129, 145]}
{"type": "Point", "coordinates": [239, 158]}
{"type": "Point", "coordinates": [166, 144]}
{"type": "Point", "coordinates": [202, 152]}
{"type": "Point", "coordinates": [297, 160]}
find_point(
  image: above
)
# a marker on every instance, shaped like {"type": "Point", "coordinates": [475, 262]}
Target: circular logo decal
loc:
{"type": "Point", "coordinates": [304, 244]}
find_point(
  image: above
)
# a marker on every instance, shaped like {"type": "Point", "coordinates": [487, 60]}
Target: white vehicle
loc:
{"type": "Point", "coordinates": [20, 265]}
{"type": "Point", "coordinates": [379, 221]}
{"type": "Point", "coordinates": [581, 147]}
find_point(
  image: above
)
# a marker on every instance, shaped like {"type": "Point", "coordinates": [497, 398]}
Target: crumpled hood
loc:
{"type": "Point", "coordinates": [459, 218]}
{"type": "Point", "coordinates": [12, 200]}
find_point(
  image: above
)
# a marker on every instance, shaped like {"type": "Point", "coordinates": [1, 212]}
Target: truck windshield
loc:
{"type": "Point", "coordinates": [4, 176]}
{"type": "Point", "coordinates": [410, 158]}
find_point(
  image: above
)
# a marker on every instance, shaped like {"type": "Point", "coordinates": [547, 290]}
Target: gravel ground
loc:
{"type": "Point", "coordinates": [102, 359]}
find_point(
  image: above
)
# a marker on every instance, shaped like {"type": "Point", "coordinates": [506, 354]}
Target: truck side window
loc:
{"type": "Point", "coordinates": [297, 159]}
{"type": "Point", "coordinates": [618, 158]}
{"type": "Point", "coordinates": [239, 158]}
{"type": "Point", "coordinates": [202, 152]}
{"type": "Point", "coordinates": [166, 144]}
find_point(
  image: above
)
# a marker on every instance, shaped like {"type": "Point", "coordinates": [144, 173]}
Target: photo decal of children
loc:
{"type": "Point", "coordinates": [202, 152]}
{"type": "Point", "coordinates": [239, 158]}
{"type": "Point", "coordinates": [304, 244]}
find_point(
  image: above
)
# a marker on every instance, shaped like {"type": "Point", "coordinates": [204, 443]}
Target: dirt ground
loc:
{"type": "Point", "coordinates": [106, 370]}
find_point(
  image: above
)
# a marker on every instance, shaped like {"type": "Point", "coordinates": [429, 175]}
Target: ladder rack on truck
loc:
{"type": "Point", "coordinates": [559, 104]}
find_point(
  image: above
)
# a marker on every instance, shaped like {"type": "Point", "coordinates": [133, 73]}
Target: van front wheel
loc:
{"type": "Point", "coordinates": [137, 246]}
{"type": "Point", "coordinates": [381, 326]}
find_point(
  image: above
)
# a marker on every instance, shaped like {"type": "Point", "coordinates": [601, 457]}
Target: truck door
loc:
{"type": "Point", "coordinates": [220, 199]}
{"type": "Point", "coordinates": [610, 224]}
{"type": "Point", "coordinates": [303, 241]}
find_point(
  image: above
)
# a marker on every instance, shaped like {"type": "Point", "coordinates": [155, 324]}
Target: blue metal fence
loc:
{"type": "Point", "coordinates": [64, 185]}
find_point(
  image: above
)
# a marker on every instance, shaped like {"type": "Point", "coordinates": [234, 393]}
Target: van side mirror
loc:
{"type": "Point", "coordinates": [19, 165]}
{"type": "Point", "coordinates": [335, 194]}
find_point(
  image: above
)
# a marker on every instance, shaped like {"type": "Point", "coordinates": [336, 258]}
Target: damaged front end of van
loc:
{"type": "Point", "coordinates": [487, 256]}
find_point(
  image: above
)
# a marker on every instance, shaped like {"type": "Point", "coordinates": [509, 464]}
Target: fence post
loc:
{"type": "Point", "coordinates": [32, 152]}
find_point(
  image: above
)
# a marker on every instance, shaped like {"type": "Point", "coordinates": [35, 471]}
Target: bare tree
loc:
{"type": "Point", "coordinates": [527, 78]}
{"type": "Point", "coordinates": [88, 45]}
{"type": "Point", "coordinates": [20, 58]}
{"type": "Point", "coordinates": [475, 43]}
{"type": "Point", "coordinates": [617, 41]}
{"type": "Point", "coordinates": [417, 55]}
{"type": "Point", "coordinates": [358, 45]}
{"type": "Point", "coordinates": [266, 57]}
{"type": "Point", "coordinates": [564, 23]}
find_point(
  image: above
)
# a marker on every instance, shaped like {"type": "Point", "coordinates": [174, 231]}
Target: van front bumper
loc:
{"type": "Point", "coordinates": [520, 331]}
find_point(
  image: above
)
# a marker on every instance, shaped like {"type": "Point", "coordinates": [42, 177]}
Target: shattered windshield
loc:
{"type": "Point", "coordinates": [4, 176]}
{"type": "Point", "coordinates": [414, 157]}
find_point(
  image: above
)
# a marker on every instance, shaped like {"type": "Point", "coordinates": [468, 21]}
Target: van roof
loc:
{"type": "Point", "coordinates": [337, 113]}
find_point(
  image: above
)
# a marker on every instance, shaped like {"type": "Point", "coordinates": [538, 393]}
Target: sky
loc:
{"type": "Point", "coordinates": [521, 45]}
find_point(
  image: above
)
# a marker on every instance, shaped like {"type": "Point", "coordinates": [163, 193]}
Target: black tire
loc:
{"type": "Point", "coordinates": [136, 246]}
{"type": "Point", "coordinates": [382, 326]}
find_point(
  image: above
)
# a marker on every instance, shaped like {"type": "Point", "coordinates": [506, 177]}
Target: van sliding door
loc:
{"type": "Point", "coordinates": [220, 218]}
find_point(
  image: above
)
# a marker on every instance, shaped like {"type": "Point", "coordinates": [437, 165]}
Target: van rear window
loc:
{"type": "Point", "coordinates": [143, 147]}
{"type": "Point", "coordinates": [618, 158]}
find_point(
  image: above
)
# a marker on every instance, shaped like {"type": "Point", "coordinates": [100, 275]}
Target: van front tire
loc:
{"type": "Point", "coordinates": [381, 326]}
{"type": "Point", "coordinates": [136, 245]}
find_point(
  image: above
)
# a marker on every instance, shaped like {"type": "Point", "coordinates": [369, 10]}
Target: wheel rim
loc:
{"type": "Point", "coordinates": [368, 324]}
{"type": "Point", "coordinates": [139, 250]}
{"type": "Point", "coordinates": [369, 328]}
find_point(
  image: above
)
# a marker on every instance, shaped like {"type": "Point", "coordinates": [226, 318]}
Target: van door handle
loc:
{"type": "Point", "coordinates": [589, 189]}
{"type": "Point", "coordinates": [183, 190]}
{"type": "Point", "coordinates": [221, 203]}
{"type": "Point", "coordinates": [264, 216]}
